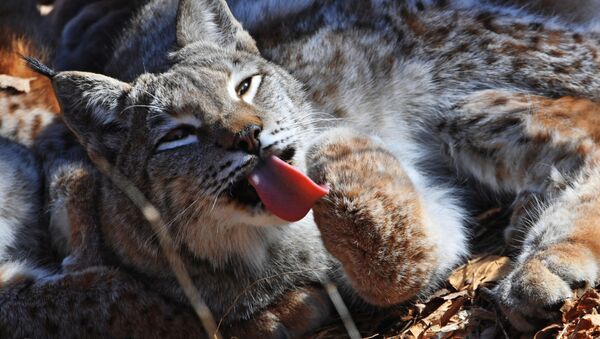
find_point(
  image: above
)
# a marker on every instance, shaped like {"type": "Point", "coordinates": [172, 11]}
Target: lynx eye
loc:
{"type": "Point", "coordinates": [247, 89]}
{"type": "Point", "coordinates": [181, 136]}
{"type": "Point", "coordinates": [243, 87]}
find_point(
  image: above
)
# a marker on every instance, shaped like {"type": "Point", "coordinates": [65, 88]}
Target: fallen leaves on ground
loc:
{"type": "Point", "coordinates": [479, 271]}
{"type": "Point", "coordinates": [580, 319]}
{"type": "Point", "coordinates": [455, 313]}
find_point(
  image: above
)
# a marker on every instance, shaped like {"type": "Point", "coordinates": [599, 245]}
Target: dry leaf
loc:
{"type": "Point", "coordinates": [587, 327]}
{"type": "Point", "coordinates": [592, 319]}
{"type": "Point", "coordinates": [455, 295]}
{"type": "Point", "coordinates": [436, 315]}
{"type": "Point", "coordinates": [453, 310]}
{"type": "Point", "coordinates": [451, 328]}
{"type": "Point", "coordinates": [16, 83]}
{"type": "Point", "coordinates": [585, 305]}
{"type": "Point", "coordinates": [580, 319]}
{"type": "Point", "coordinates": [444, 319]}
{"type": "Point", "coordinates": [479, 271]}
{"type": "Point", "coordinates": [548, 332]}
{"type": "Point", "coordinates": [417, 329]}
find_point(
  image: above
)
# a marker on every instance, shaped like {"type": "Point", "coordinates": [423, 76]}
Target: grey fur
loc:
{"type": "Point", "coordinates": [24, 237]}
{"type": "Point", "coordinates": [418, 78]}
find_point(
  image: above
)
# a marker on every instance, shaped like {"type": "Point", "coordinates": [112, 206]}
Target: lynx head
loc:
{"type": "Point", "coordinates": [189, 137]}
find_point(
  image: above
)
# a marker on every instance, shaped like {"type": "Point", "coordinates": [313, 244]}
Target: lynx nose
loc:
{"type": "Point", "coordinates": [247, 139]}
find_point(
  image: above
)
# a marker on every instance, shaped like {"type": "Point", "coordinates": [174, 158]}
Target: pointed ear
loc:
{"type": "Point", "coordinates": [89, 103]}
{"type": "Point", "coordinates": [211, 21]}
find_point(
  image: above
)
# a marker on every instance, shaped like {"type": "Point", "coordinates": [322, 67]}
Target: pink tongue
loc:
{"type": "Point", "coordinates": [284, 190]}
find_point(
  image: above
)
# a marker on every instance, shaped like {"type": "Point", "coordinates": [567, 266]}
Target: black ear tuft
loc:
{"type": "Point", "coordinates": [39, 67]}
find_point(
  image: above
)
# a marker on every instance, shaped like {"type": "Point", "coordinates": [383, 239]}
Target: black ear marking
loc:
{"type": "Point", "coordinates": [39, 67]}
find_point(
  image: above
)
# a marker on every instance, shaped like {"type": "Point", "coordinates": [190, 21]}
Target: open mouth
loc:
{"type": "Point", "coordinates": [243, 193]}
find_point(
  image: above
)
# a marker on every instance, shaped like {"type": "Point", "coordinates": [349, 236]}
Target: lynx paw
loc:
{"type": "Point", "coordinates": [534, 292]}
{"type": "Point", "coordinates": [371, 220]}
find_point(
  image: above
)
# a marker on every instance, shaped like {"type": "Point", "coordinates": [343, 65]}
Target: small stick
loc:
{"type": "Point", "coordinates": [153, 216]}
{"type": "Point", "coordinates": [166, 243]}
{"type": "Point", "coordinates": [342, 310]}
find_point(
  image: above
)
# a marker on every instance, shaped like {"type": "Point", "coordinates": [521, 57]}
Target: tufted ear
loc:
{"type": "Point", "coordinates": [90, 105]}
{"type": "Point", "coordinates": [211, 21]}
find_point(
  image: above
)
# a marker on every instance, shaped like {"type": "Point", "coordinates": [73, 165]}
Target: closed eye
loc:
{"type": "Point", "coordinates": [178, 137]}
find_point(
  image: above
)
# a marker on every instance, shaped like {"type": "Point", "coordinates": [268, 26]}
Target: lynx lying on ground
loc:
{"type": "Point", "coordinates": [433, 102]}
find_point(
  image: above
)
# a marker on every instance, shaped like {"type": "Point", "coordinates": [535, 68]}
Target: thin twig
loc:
{"type": "Point", "coordinates": [341, 309]}
{"type": "Point", "coordinates": [177, 265]}
{"type": "Point", "coordinates": [166, 243]}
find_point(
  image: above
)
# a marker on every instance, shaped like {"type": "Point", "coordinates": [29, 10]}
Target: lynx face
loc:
{"type": "Point", "coordinates": [209, 122]}
{"type": "Point", "coordinates": [189, 137]}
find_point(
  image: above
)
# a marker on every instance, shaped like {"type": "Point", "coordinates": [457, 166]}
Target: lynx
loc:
{"type": "Point", "coordinates": [404, 110]}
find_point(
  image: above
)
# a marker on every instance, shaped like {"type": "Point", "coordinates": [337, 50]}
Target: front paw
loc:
{"type": "Point", "coordinates": [364, 182]}
{"type": "Point", "coordinates": [534, 292]}
{"type": "Point", "coordinates": [372, 218]}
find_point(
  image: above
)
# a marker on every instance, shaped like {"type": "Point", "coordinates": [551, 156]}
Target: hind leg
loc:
{"type": "Point", "coordinates": [523, 144]}
{"type": "Point", "coordinates": [561, 253]}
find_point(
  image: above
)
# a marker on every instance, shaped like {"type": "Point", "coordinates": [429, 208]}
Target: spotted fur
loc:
{"type": "Point", "coordinates": [24, 241]}
{"type": "Point", "coordinates": [24, 114]}
{"type": "Point", "coordinates": [398, 110]}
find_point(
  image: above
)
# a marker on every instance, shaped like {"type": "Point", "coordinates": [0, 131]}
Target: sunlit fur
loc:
{"type": "Point", "coordinates": [405, 111]}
